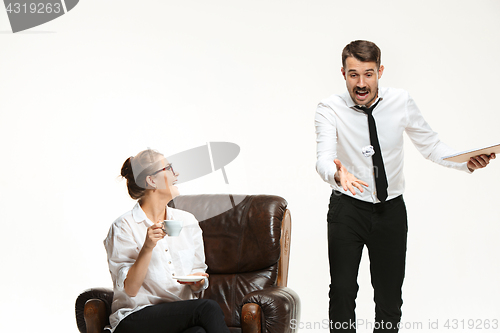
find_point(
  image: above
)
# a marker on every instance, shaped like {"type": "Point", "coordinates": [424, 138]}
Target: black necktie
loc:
{"type": "Point", "coordinates": [378, 162]}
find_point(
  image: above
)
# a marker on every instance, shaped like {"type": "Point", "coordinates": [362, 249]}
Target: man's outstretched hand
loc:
{"type": "Point", "coordinates": [479, 161]}
{"type": "Point", "coordinates": [347, 179]}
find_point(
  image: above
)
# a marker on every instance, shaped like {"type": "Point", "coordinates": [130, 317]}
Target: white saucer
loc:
{"type": "Point", "coordinates": [189, 278]}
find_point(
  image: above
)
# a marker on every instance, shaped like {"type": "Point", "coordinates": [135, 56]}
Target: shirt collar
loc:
{"type": "Point", "coordinates": [350, 103]}
{"type": "Point", "coordinates": [139, 215]}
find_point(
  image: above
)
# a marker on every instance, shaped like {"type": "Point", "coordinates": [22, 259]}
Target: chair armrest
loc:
{"type": "Point", "coordinates": [95, 315]}
{"type": "Point", "coordinates": [251, 318]}
{"type": "Point", "coordinates": [278, 305]}
{"type": "Point", "coordinates": [92, 310]}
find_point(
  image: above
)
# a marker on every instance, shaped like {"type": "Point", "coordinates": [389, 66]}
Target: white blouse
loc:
{"type": "Point", "coordinates": [181, 255]}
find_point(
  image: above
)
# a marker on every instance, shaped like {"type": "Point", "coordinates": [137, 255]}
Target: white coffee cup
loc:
{"type": "Point", "coordinates": [172, 227]}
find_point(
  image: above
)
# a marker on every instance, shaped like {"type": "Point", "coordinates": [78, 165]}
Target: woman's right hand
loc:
{"type": "Point", "coordinates": [154, 234]}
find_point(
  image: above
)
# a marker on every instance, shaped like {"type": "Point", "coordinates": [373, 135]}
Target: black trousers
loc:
{"type": "Point", "coordinates": [383, 228]}
{"type": "Point", "coordinates": [192, 316]}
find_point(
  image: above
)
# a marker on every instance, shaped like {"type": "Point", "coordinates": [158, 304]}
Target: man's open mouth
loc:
{"type": "Point", "coordinates": [362, 93]}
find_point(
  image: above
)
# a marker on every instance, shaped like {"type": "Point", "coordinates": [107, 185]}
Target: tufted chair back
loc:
{"type": "Point", "coordinates": [242, 246]}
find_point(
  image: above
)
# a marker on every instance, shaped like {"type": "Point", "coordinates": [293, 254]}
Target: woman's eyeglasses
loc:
{"type": "Point", "coordinates": [168, 167]}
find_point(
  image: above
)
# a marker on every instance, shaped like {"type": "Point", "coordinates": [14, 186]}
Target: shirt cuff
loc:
{"type": "Point", "coordinates": [466, 168]}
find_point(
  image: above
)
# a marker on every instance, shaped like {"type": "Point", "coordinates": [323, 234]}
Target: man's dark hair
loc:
{"type": "Point", "coordinates": [362, 50]}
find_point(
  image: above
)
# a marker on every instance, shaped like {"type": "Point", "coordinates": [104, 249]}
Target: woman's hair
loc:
{"type": "Point", "coordinates": [135, 169]}
{"type": "Point", "coordinates": [135, 191]}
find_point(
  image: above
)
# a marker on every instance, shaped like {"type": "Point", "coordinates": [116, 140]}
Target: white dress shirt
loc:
{"type": "Point", "coordinates": [342, 133]}
{"type": "Point", "coordinates": [172, 256]}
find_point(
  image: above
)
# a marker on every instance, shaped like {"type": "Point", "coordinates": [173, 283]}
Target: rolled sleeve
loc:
{"type": "Point", "coordinates": [120, 278]}
{"type": "Point", "coordinates": [122, 252]}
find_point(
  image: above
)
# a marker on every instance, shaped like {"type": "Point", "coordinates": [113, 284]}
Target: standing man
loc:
{"type": "Point", "coordinates": [360, 153]}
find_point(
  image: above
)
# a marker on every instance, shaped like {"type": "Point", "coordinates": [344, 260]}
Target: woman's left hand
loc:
{"type": "Point", "coordinates": [196, 285]}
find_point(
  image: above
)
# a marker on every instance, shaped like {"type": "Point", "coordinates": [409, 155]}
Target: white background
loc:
{"type": "Point", "coordinates": [80, 94]}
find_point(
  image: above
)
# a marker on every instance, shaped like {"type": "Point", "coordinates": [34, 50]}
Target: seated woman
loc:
{"type": "Point", "coordinates": [143, 262]}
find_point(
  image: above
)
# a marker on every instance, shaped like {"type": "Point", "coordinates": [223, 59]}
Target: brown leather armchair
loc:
{"type": "Point", "coordinates": [247, 251]}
